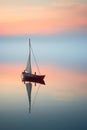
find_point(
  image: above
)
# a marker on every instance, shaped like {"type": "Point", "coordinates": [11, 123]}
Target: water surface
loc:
{"type": "Point", "coordinates": [59, 104]}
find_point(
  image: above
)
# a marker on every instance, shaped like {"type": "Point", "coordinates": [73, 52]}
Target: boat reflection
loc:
{"type": "Point", "coordinates": [29, 89]}
{"type": "Point", "coordinates": [28, 83]}
{"type": "Point", "coordinates": [40, 81]}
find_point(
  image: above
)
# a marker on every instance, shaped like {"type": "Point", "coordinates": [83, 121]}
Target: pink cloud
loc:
{"type": "Point", "coordinates": [56, 17]}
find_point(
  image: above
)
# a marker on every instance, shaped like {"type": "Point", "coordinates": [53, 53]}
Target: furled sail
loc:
{"type": "Point", "coordinates": [28, 67]}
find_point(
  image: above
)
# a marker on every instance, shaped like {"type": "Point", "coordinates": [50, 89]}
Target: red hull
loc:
{"type": "Point", "coordinates": [41, 77]}
{"type": "Point", "coordinates": [33, 77]}
{"type": "Point", "coordinates": [41, 81]}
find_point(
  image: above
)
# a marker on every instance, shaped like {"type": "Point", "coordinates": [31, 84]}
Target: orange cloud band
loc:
{"type": "Point", "coordinates": [56, 17]}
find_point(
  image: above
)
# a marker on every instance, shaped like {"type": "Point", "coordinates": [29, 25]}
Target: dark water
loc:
{"type": "Point", "coordinates": [59, 104]}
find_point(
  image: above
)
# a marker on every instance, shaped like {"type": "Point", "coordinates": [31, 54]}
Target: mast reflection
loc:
{"type": "Point", "coordinates": [29, 89]}
{"type": "Point", "coordinates": [28, 84]}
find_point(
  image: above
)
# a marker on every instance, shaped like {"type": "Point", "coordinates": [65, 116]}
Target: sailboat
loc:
{"type": "Point", "coordinates": [27, 73]}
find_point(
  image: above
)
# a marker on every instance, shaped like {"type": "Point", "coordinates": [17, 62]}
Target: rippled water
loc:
{"type": "Point", "coordinates": [59, 104]}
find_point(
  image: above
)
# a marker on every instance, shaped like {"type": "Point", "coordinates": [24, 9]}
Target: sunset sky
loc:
{"type": "Point", "coordinates": [58, 33]}
{"type": "Point", "coordinates": [42, 17]}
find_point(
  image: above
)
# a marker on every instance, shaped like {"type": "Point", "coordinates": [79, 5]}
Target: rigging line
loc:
{"type": "Point", "coordinates": [35, 95]}
{"type": "Point", "coordinates": [35, 61]}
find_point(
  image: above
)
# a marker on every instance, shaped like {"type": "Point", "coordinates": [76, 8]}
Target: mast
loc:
{"type": "Point", "coordinates": [28, 67]}
{"type": "Point", "coordinates": [30, 56]}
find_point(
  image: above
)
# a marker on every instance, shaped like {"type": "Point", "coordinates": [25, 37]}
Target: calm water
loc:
{"type": "Point", "coordinates": [59, 104]}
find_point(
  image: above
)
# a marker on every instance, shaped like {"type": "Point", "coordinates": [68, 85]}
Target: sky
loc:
{"type": "Point", "coordinates": [42, 17]}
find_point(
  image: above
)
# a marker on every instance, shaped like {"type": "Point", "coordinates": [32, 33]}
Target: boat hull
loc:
{"type": "Point", "coordinates": [33, 78]}
{"type": "Point", "coordinates": [27, 76]}
{"type": "Point", "coordinates": [40, 81]}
